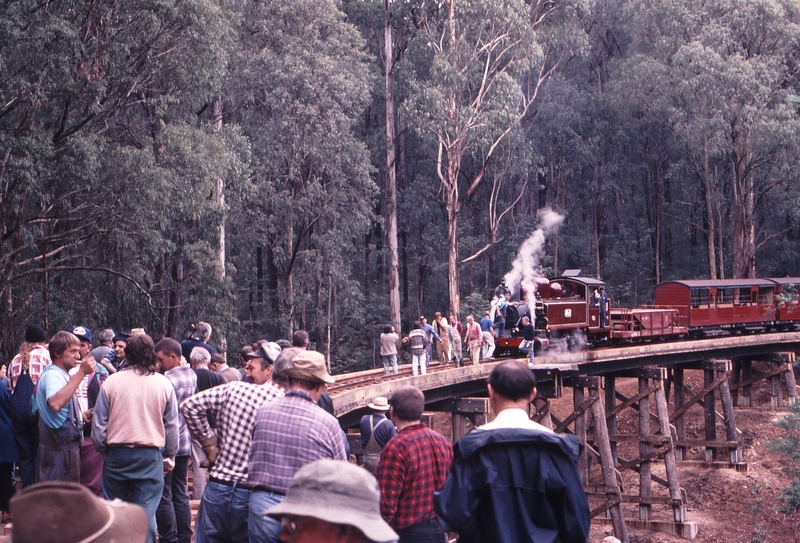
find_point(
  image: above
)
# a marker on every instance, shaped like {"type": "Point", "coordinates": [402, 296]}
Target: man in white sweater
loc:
{"type": "Point", "coordinates": [135, 424]}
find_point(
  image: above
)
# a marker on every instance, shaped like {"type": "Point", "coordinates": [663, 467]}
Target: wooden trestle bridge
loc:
{"type": "Point", "coordinates": [730, 365]}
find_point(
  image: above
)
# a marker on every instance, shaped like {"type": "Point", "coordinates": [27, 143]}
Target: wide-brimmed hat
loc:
{"type": "Point", "coordinates": [310, 365]}
{"type": "Point", "coordinates": [61, 512]}
{"type": "Point", "coordinates": [381, 403]}
{"type": "Point", "coordinates": [337, 492]}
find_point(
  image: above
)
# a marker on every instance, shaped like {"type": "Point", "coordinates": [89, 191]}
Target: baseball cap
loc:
{"type": "Point", "coordinates": [82, 332]}
{"type": "Point", "coordinates": [338, 492]}
{"type": "Point", "coordinates": [269, 350]}
{"type": "Point", "coordinates": [64, 512]}
{"type": "Point", "coordinates": [309, 365]}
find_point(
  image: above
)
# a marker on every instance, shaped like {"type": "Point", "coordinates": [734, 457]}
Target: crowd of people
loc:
{"type": "Point", "coordinates": [127, 420]}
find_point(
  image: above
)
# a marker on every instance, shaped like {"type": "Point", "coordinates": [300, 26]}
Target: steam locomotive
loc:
{"type": "Point", "coordinates": [568, 309]}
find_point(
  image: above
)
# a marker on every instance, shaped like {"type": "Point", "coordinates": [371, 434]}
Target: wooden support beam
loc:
{"type": "Point", "coordinates": [610, 479]}
{"type": "Point", "coordinates": [710, 415]}
{"type": "Point", "coordinates": [708, 387]}
{"type": "Point", "coordinates": [670, 460]}
{"type": "Point", "coordinates": [677, 419]}
{"type": "Point", "coordinates": [729, 417]}
{"type": "Point", "coordinates": [576, 414]}
{"type": "Point", "coordinates": [645, 490]}
{"type": "Point", "coordinates": [460, 405]}
{"type": "Point", "coordinates": [611, 417]}
{"type": "Point", "coordinates": [541, 414]}
{"type": "Point", "coordinates": [747, 375]}
{"type": "Point", "coordinates": [578, 411]}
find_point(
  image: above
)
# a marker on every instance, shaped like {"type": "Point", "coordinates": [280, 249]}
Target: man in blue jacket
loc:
{"type": "Point", "coordinates": [514, 480]}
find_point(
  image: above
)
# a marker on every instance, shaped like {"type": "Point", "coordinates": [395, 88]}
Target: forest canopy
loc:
{"type": "Point", "coordinates": [339, 165]}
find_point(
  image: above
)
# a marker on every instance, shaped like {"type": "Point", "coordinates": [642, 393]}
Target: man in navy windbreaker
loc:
{"type": "Point", "coordinates": [513, 480]}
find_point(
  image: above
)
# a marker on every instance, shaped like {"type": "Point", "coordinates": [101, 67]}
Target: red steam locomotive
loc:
{"type": "Point", "coordinates": [569, 309]}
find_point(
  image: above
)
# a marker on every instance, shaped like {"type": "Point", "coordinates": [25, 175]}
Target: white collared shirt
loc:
{"type": "Point", "coordinates": [513, 417]}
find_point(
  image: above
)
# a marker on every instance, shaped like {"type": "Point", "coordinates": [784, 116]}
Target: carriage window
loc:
{"type": "Point", "coordinates": [699, 297]}
{"type": "Point", "coordinates": [789, 294]}
{"type": "Point", "coordinates": [742, 296]}
{"type": "Point", "coordinates": [766, 296]}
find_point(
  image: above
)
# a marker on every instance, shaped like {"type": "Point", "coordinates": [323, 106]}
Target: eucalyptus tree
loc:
{"type": "Point", "coordinates": [719, 74]}
{"type": "Point", "coordinates": [95, 98]}
{"type": "Point", "coordinates": [301, 81]}
{"type": "Point", "coordinates": [478, 69]}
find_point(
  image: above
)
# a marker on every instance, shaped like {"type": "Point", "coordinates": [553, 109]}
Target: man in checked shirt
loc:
{"type": "Point", "coordinates": [224, 508]}
{"type": "Point", "coordinates": [413, 465]}
{"type": "Point", "coordinates": [287, 435]}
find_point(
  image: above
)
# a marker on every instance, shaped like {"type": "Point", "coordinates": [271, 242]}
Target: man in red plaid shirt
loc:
{"type": "Point", "coordinates": [413, 465]}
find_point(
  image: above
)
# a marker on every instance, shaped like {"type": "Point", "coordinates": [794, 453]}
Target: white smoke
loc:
{"type": "Point", "coordinates": [525, 270]}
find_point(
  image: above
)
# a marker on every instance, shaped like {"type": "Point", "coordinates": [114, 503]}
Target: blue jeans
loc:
{"type": "Point", "coordinates": [389, 361]}
{"type": "Point", "coordinates": [223, 513]}
{"type": "Point", "coordinates": [262, 528]}
{"type": "Point", "coordinates": [135, 475]}
{"type": "Point", "coordinates": [427, 531]}
{"type": "Point", "coordinates": [174, 514]}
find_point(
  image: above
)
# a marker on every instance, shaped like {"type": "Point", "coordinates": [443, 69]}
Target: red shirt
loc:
{"type": "Point", "coordinates": [414, 464]}
{"type": "Point", "coordinates": [473, 331]}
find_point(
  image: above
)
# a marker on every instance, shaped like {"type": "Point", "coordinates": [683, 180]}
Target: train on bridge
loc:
{"type": "Point", "coordinates": [567, 311]}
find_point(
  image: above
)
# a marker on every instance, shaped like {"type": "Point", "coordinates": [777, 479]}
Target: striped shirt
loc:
{"type": "Point", "coordinates": [287, 435]}
{"type": "Point", "coordinates": [234, 405]}
{"type": "Point", "coordinates": [184, 381]}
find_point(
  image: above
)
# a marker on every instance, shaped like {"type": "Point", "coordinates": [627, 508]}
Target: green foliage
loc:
{"type": "Point", "coordinates": [788, 449]}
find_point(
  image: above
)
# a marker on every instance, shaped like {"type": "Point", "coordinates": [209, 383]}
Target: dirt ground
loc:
{"type": "Point", "coordinates": [729, 506]}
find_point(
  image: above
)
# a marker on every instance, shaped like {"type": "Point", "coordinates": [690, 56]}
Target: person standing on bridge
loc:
{"type": "Point", "coordinates": [413, 465]}
{"type": "Point", "coordinates": [487, 336]}
{"type": "Point", "coordinates": [225, 506]}
{"type": "Point", "coordinates": [287, 435]}
{"type": "Point", "coordinates": [389, 341]}
{"type": "Point", "coordinates": [473, 340]}
{"type": "Point", "coordinates": [513, 479]}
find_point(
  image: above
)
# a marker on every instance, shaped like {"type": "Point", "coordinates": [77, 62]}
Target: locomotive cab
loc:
{"type": "Point", "coordinates": [572, 303]}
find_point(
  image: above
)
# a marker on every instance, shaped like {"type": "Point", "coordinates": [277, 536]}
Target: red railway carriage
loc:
{"type": "Point", "coordinates": [730, 304]}
{"type": "Point", "coordinates": [787, 302]}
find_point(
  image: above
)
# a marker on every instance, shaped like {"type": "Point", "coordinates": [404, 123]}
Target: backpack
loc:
{"type": "Point", "coordinates": [21, 398]}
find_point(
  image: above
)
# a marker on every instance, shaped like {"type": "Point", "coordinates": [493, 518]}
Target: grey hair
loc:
{"type": "Point", "coordinates": [106, 336]}
{"type": "Point", "coordinates": [202, 331]}
{"type": "Point", "coordinates": [199, 355]}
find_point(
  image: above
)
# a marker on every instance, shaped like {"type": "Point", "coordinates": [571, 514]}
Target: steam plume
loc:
{"type": "Point", "coordinates": [525, 269]}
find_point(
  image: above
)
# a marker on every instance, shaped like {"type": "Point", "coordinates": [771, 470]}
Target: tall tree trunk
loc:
{"type": "Point", "coordinates": [219, 201]}
{"type": "Point", "coordinates": [452, 209]}
{"type": "Point", "coordinates": [391, 179]}
{"type": "Point", "coordinates": [744, 257]}
{"type": "Point", "coordinates": [709, 194]}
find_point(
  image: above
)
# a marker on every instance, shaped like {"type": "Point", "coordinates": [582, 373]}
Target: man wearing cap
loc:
{"type": "Point", "coordinates": [487, 335]}
{"type": "Point", "coordinates": [69, 513]}
{"type": "Point", "coordinates": [376, 430]}
{"type": "Point", "coordinates": [174, 514]}
{"type": "Point", "coordinates": [224, 508]}
{"type": "Point", "coordinates": [333, 502]}
{"type": "Point", "coordinates": [23, 374]}
{"type": "Point", "coordinates": [413, 465]}
{"type": "Point", "coordinates": [513, 479]}
{"type": "Point", "coordinates": [60, 422]}
{"type": "Point", "coordinates": [117, 357]}
{"type": "Point", "coordinates": [287, 435]}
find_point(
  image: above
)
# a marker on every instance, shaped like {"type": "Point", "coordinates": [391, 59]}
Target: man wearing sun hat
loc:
{"type": "Point", "coordinates": [331, 500]}
{"type": "Point", "coordinates": [376, 430]}
{"type": "Point", "coordinates": [47, 513]}
{"type": "Point", "coordinates": [287, 435]}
